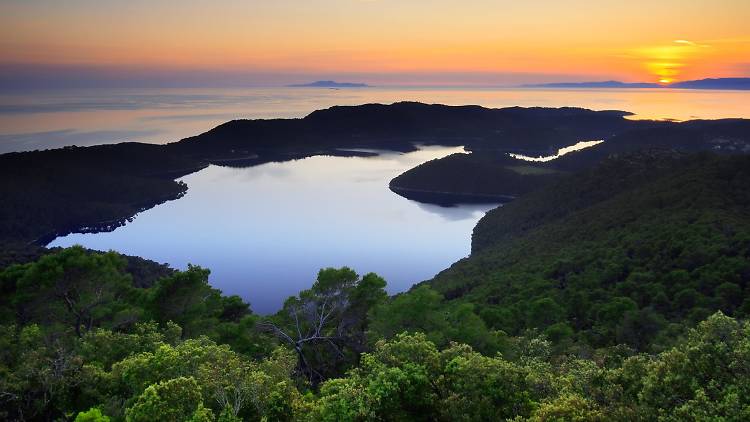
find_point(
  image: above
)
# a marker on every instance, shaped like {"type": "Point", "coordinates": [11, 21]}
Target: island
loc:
{"type": "Point", "coordinates": [330, 84]}
{"type": "Point", "coordinates": [599, 84]}
{"type": "Point", "coordinates": [708, 83]}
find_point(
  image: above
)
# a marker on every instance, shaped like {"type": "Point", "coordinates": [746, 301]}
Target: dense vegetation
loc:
{"type": "Point", "coordinates": [46, 192]}
{"type": "Point", "coordinates": [484, 177]}
{"type": "Point", "coordinates": [631, 253]}
{"type": "Point", "coordinates": [617, 293]}
{"type": "Point", "coordinates": [489, 172]}
{"type": "Point", "coordinates": [398, 126]}
{"type": "Point", "coordinates": [79, 342]}
{"type": "Point", "coordinates": [614, 294]}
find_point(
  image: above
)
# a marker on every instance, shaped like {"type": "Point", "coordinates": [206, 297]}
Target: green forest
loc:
{"type": "Point", "coordinates": [619, 293]}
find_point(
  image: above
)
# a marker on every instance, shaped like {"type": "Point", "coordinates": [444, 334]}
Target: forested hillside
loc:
{"type": "Point", "coordinates": [630, 253]}
{"type": "Point", "coordinates": [484, 178]}
{"type": "Point", "coordinates": [489, 172]}
{"type": "Point", "coordinates": [616, 294]}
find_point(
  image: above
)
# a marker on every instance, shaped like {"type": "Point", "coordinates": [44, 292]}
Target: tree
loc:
{"type": "Point", "coordinates": [397, 379]}
{"type": "Point", "coordinates": [325, 322]}
{"type": "Point", "coordinates": [187, 299]}
{"type": "Point", "coordinates": [422, 310]}
{"type": "Point", "coordinates": [105, 347]}
{"type": "Point", "coordinates": [40, 374]}
{"type": "Point", "coordinates": [703, 378]}
{"type": "Point", "coordinates": [175, 400]}
{"type": "Point", "coordinates": [417, 310]}
{"type": "Point", "coordinates": [233, 309]}
{"type": "Point", "coordinates": [569, 408]}
{"type": "Point", "coordinates": [75, 288]}
{"type": "Point", "coordinates": [92, 415]}
{"type": "Point", "coordinates": [136, 372]}
{"type": "Point", "coordinates": [226, 377]}
{"type": "Point", "coordinates": [639, 327]}
{"type": "Point", "coordinates": [477, 387]}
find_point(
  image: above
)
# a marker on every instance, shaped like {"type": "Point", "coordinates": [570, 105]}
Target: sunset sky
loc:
{"type": "Point", "coordinates": [377, 41]}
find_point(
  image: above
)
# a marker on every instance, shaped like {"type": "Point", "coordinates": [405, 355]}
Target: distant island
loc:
{"type": "Point", "coordinates": [601, 84]}
{"type": "Point", "coordinates": [330, 84]}
{"type": "Point", "coordinates": [715, 83]}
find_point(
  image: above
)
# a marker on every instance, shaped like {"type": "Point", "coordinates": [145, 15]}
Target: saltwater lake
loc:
{"type": "Point", "coordinates": [265, 231]}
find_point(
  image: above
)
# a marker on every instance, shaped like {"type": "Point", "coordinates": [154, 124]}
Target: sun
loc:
{"type": "Point", "coordinates": [665, 81]}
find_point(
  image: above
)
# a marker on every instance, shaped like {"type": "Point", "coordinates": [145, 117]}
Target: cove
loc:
{"type": "Point", "coordinates": [265, 231]}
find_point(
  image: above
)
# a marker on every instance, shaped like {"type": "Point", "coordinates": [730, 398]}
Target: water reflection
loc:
{"type": "Point", "coordinates": [457, 212]}
{"type": "Point", "coordinates": [265, 231]}
{"type": "Point", "coordinates": [560, 152]}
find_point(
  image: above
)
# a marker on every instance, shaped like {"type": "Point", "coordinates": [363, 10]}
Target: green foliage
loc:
{"type": "Point", "coordinates": [40, 375]}
{"type": "Point", "coordinates": [621, 302]}
{"type": "Point", "coordinates": [568, 408]}
{"type": "Point", "coordinates": [409, 379]}
{"type": "Point", "coordinates": [187, 299]}
{"type": "Point", "coordinates": [72, 289]}
{"type": "Point", "coordinates": [76, 322]}
{"type": "Point", "coordinates": [636, 260]}
{"type": "Point", "coordinates": [326, 325]}
{"type": "Point", "coordinates": [104, 347]}
{"type": "Point", "coordinates": [175, 400]}
{"type": "Point", "coordinates": [92, 415]}
{"type": "Point", "coordinates": [422, 310]}
{"type": "Point", "coordinates": [150, 372]}
{"type": "Point", "coordinates": [706, 376]}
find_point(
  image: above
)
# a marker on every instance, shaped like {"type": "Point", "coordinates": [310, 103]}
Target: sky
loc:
{"type": "Point", "coordinates": [391, 42]}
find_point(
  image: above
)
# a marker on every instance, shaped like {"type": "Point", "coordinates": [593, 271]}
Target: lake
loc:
{"type": "Point", "coordinates": [265, 231]}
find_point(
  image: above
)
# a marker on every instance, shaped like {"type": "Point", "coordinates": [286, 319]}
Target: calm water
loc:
{"type": "Point", "coordinates": [47, 119]}
{"type": "Point", "coordinates": [265, 231]}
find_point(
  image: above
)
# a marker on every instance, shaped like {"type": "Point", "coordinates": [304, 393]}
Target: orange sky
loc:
{"type": "Point", "coordinates": [648, 41]}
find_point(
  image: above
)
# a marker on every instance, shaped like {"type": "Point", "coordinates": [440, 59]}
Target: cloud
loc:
{"type": "Point", "coordinates": [690, 43]}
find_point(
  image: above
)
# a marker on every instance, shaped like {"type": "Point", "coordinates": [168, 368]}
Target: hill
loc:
{"type": "Point", "coordinates": [602, 84]}
{"type": "Point", "coordinates": [330, 84]}
{"type": "Point", "coordinates": [714, 83]}
{"type": "Point", "coordinates": [709, 83]}
{"type": "Point", "coordinates": [46, 193]}
{"type": "Point", "coordinates": [472, 177]}
{"type": "Point", "coordinates": [400, 125]}
{"type": "Point", "coordinates": [486, 174]}
{"type": "Point", "coordinates": [617, 254]}
{"type": "Point", "coordinates": [580, 301]}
